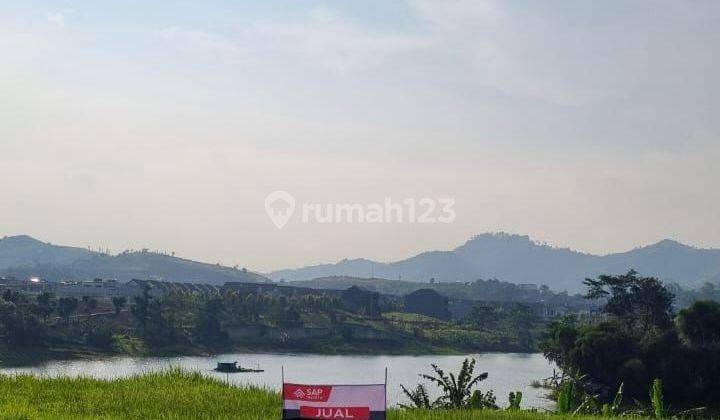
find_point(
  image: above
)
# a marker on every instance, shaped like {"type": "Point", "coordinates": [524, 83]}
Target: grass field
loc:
{"type": "Point", "coordinates": [170, 395]}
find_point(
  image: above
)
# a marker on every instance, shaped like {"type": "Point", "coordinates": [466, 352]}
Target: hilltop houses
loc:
{"type": "Point", "coordinates": [156, 288]}
{"type": "Point", "coordinates": [355, 299]}
{"type": "Point", "coordinates": [96, 288]}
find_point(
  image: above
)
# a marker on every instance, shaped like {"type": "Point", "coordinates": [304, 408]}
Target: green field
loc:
{"type": "Point", "coordinates": [171, 394]}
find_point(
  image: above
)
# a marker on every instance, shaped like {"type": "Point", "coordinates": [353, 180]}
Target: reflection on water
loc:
{"type": "Point", "coordinates": [508, 371]}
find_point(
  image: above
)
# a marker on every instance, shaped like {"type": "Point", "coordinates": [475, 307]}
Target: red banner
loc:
{"type": "Point", "coordinates": [355, 413]}
{"type": "Point", "coordinates": [336, 402]}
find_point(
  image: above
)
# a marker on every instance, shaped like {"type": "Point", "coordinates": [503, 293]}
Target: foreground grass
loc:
{"type": "Point", "coordinates": [170, 394]}
{"type": "Point", "coordinates": [480, 415]}
{"type": "Point", "coordinates": [173, 394]}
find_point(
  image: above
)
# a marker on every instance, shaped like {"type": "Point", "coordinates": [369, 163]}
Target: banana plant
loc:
{"type": "Point", "coordinates": [515, 398]}
{"type": "Point", "coordinates": [419, 398]}
{"type": "Point", "coordinates": [456, 389]}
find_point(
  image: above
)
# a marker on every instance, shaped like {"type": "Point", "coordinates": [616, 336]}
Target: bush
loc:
{"type": "Point", "coordinates": [100, 336]}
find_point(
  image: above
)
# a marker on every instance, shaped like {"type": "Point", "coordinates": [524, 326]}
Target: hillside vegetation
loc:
{"type": "Point", "coordinates": [23, 257]}
{"type": "Point", "coordinates": [483, 290]}
{"type": "Point", "coordinates": [181, 322]}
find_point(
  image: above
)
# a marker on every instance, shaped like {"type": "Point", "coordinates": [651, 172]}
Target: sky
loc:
{"type": "Point", "coordinates": [164, 125]}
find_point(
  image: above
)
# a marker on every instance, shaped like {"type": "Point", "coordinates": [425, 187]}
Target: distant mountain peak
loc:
{"type": "Point", "coordinates": [500, 236]}
{"type": "Point", "coordinates": [21, 239]}
{"type": "Point", "coordinates": [496, 241]}
{"type": "Point", "coordinates": [357, 260]}
{"type": "Point", "coordinates": [670, 243]}
{"type": "Point", "coordinates": [520, 259]}
{"type": "Point", "coordinates": [663, 246]}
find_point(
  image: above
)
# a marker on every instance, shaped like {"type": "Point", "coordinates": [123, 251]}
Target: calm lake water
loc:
{"type": "Point", "coordinates": [508, 371]}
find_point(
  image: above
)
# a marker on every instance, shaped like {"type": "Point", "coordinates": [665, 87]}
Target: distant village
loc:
{"type": "Point", "coordinates": [425, 301]}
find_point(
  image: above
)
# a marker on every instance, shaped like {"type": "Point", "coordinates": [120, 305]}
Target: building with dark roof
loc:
{"type": "Point", "coordinates": [427, 302]}
{"type": "Point", "coordinates": [362, 301]}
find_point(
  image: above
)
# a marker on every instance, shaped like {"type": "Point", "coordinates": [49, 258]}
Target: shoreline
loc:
{"type": "Point", "coordinates": [26, 358]}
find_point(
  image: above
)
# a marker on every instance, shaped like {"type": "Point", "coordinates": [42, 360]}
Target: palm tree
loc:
{"type": "Point", "coordinates": [456, 389]}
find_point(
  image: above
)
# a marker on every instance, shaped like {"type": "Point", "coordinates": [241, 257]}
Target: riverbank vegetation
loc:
{"type": "Point", "coordinates": [461, 391]}
{"type": "Point", "coordinates": [37, 327]}
{"type": "Point", "coordinates": [641, 344]}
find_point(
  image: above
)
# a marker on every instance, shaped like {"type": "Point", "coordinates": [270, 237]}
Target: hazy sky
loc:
{"type": "Point", "coordinates": [593, 125]}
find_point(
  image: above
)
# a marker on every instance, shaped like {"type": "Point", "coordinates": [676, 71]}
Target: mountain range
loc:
{"type": "Point", "coordinates": [510, 258]}
{"type": "Point", "coordinates": [23, 256]}
{"type": "Point", "coordinates": [518, 259]}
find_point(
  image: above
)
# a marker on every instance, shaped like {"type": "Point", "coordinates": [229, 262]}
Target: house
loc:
{"type": "Point", "coordinates": [274, 290]}
{"type": "Point", "coordinates": [33, 285]}
{"type": "Point", "coordinates": [362, 301]}
{"type": "Point", "coordinates": [98, 288]}
{"type": "Point", "coordinates": [427, 302]}
{"type": "Point", "coordinates": [355, 299]}
{"type": "Point", "coordinates": [156, 288]}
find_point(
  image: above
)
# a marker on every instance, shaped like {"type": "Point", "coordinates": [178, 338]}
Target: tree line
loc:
{"type": "Point", "coordinates": [640, 340]}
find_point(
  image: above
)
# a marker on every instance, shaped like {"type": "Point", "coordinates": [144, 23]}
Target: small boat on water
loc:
{"type": "Point", "coordinates": [233, 367]}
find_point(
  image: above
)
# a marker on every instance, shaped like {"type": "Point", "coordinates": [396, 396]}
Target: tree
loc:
{"type": "Point", "coordinates": [66, 306]}
{"type": "Point", "coordinates": [639, 343]}
{"type": "Point", "coordinates": [99, 335]}
{"type": "Point", "coordinates": [140, 306]}
{"type": "Point", "coordinates": [177, 310]}
{"type": "Point", "coordinates": [633, 299]}
{"type": "Point", "coordinates": [119, 303]}
{"type": "Point", "coordinates": [21, 327]}
{"type": "Point", "coordinates": [484, 318]}
{"type": "Point", "coordinates": [559, 339]}
{"type": "Point", "coordinates": [522, 320]}
{"type": "Point", "coordinates": [700, 323]}
{"type": "Point", "coordinates": [209, 327]}
{"type": "Point", "coordinates": [89, 303]}
{"type": "Point", "coordinates": [46, 304]}
{"type": "Point", "coordinates": [11, 296]}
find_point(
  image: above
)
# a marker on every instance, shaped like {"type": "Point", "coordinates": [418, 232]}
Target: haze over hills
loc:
{"type": "Point", "coordinates": [511, 258]}
{"type": "Point", "coordinates": [23, 256]}
{"type": "Point", "coordinates": [518, 259]}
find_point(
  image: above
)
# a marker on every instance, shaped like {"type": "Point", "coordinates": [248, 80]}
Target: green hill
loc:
{"type": "Point", "coordinates": [23, 256]}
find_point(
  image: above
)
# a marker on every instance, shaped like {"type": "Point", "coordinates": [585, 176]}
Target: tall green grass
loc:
{"type": "Point", "coordinates": [163, 395]}
{"type": "Point", "coordinates": [175, 394]}
{"type": "Point", "coordinates": [480, 415]}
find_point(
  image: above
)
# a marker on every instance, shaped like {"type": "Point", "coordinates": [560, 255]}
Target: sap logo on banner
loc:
{"type": "Point", "coordinates": [354, 413]}
{"type": "Point", "coordinates": [308, 393]}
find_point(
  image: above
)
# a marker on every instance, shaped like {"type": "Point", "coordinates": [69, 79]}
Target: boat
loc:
{"type": "Point", "coordinates": [233, 367]}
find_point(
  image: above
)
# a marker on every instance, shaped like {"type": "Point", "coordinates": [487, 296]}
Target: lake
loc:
{"type": "Point", "coordinates": [507, 371]}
